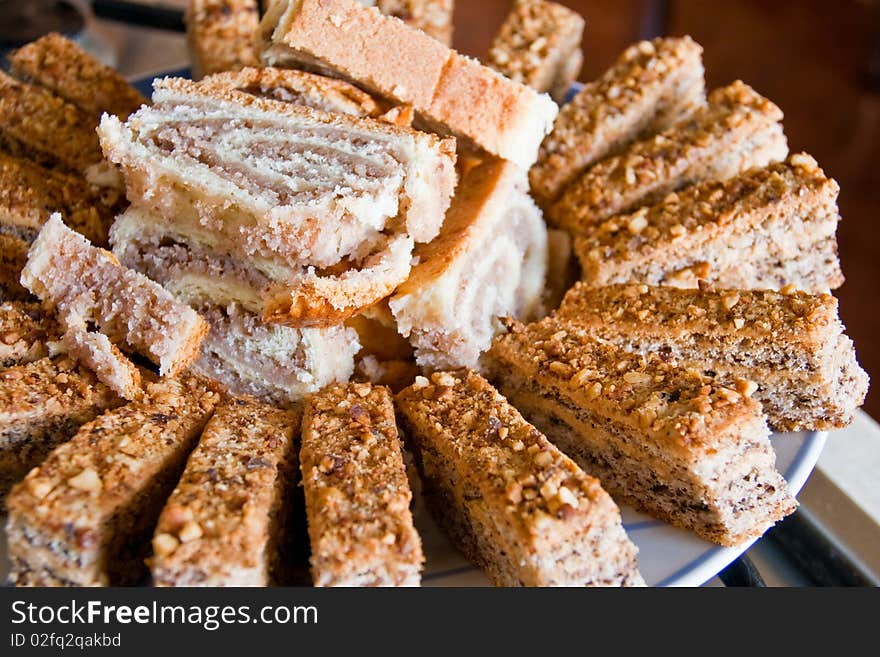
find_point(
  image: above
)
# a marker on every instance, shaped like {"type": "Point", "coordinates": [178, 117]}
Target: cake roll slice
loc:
{"type": "Point", "coordinates": [42, 404]}
{"type": "Point", "coordinates": [29, 193]}
{"type": "Point", "coordinates": [65, 69]}
{"type": "Point", "coordinates": [489, 260]}
{"type": "Point", "coordinates": [738, 129]}
{"type": "Point", "coordinates": [449, 92]}
{"type": "Point", "coordinates": [13, 256]}
{"type": "Point", "coordinates": [788, 350]}
{"type": "Point", "coordinates": [225, 523]}
{"type": "Point", "coordinates": [539, 45]}
{"type": "Point", "coordinates": [277, 181]}
{"type": "Point", "coordinates": [652, 86]}
{"type": "Point", "coordinates": [86, 285]}
{"type": "Point", "coordinates": [274, 363]}
{"type": "Point", "coordinates": [26, 332]}
{"type": "Point", "coordinates": [220, 35]}
{"type": "Point", "coordinates": [37, 124]}
{"type": "Point", "coordinates": [356, 490]}
{"type": "Point", "coordinates": [670, 441]}
{"type": "Point", "coordinates": [511, 501]}
{"type": "Point", "coordinates": [86, 515]}
{"type": "Point", "coordinates": [767, 228]}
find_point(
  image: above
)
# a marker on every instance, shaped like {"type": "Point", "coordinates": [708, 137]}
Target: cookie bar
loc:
{"type": "Point", "coordinates": [220, 35]}
{"type": "Point", "coordinates": [672, 442]}
{"type": "Point", "coordinates": [512, 503]}
{"type": "Point", "coordinates": [356, 490]}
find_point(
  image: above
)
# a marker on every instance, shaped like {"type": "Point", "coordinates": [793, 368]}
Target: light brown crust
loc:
{"type": "Point", "coordinates": [85, 283]}
{"type": "Point", "coordinates": [42, 404]}
{"type": "Point", "coordinates": [85, 516]}
{"type": "Point", "coordinates": [29, 193]}
{"type": "Point", "coordinates": [37, 124]}
{"type": "Point", "coordinates": [220, 35]}
{"type": "Point", "coordinates": [700, 233]}
{"type": "Point", "coordinates": [224, 524]}
{"type": "Point", "coordinates": [738, 129]}
{"type": "Point", "coordinates": [622, 415]}
{"type": "Point", "coordinates": [536, 46]}
{"type": "Point", "coordinates": [477, 452]}
{"type": "Point", "coordinates": [653, 85]}
{"type": "Point", "coordinates": [383, 55]}
{"type": "Point", "coordinates": [73, 74]}
{"type": "Point", "coordinates": [356, 490]}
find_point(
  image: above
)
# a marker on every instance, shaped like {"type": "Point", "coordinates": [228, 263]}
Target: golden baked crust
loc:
{"type": "Point", "coordinates": [42, 404]}
{"type": "Point", "coordinates": [536, 46]}
{"type": "Point", "coordinates": [356, 489]}
{"type": "Point", "coordinates": [67, 70]}
{"type": "Point", "coordinates": [448, 91]}
{"type": "Point", "coordinates": [225, 522]}
{"type": "Point", "coordinates": [738, 129]}
{"type": "Point", "coordinates": [535, 518]}
{"type": "Point", "coordinates": [220, 35]}
{"type": "Point", "coordinates": [37, 124]}
{"type": "Point", "coordinates": [670, 441]}
{"type": "Point", "coordinates": [85, 516]}
{"type": "Point", "coordinates": [652, 85]}
{"type": "Point", "coordinates": [750, 231]}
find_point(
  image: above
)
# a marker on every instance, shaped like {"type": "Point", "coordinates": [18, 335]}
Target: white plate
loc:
{"type": "Point", "coordinates": [667, 556]}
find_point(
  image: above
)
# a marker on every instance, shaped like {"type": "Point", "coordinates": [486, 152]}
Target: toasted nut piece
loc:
{"type": "Point", "coordinates": [87, 480]}
{"type": "Point", "coordinates": [164, 544]}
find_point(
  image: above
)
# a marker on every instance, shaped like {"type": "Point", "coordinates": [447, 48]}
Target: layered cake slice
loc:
{"type": "Point", "coordinates": [511, 502]}
{"type": "Point", "coordinates": [225, 523]}
{"type": "Point", "coordinates": [539, 45]}
{"type": "Point", "coordinates": [670, 441]}
{"type": "Point", "coordinates": [42, 404]}
{"type": "Point", "coordinates": [736, 130]}
{"type": "Point", "coordinates": [356, 490]}
{"type": "Point", "coordinates": [766, 228]}
{"type": "Point", "coordinates": [653, 85]}
{"type": "Point", "coordinates": [86, 515]}
{"type": "Point", "coordinates": [788, 350]}
{"type": "Point", "coordinates": [489, 260]}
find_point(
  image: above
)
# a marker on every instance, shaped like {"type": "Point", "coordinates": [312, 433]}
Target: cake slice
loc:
{"type": "Point", "coordinates": [789, 349]}
{"type": "Point", "coordinates": [86, 285]}
{"type": "Point", "coordinates": [511, 502]}
{"type": "Point", "coordinates": [86, 515]}
{"type": "Point", "coordinates": [449, 92]}
{"type": "Point", "coordinates": [489, 260]}
{"type": "Point", "coordinates": [738, 129]}
{"type": "Point", "coordinates": [25, 332]}
{"type": "Point", "coordinates": [29, 193]}
{"type": "Point", "coordinates": [42, 404]}
{"type": "Point", "coordinates": [768, 227]}
{"type": "Point", "coordinates": [672, 442]}
{"type": "Point", "coordinates": [652, 86]}
{"type": "Point", "coordinates": [13, 256]}
{"type": "Point", "coordinates": [220, 35]}
{"type": "Point", "coordinates": [65, 69]}
{"type": "Point", "coordinates": [35, 123]}
{"type": "Point", "coordinates": [356, 490]}
{"type": "Point", "coordinates": [539, 45]}
{"type": "Point", "coordinates": [316, 189]}
{"type": "Point", "coordinates": [272, 362]}
{"type": "Point", "coordinates": [225, 522]}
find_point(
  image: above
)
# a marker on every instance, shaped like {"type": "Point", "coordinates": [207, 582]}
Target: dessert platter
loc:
{"type": "Point", "coordinates": [386, 315]}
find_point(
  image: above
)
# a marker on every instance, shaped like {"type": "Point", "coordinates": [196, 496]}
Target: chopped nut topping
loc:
{"type": "Point", "coordinates": [637, 378]}
{"type": "Point", "coordinates": [87, 480]}
{"type": "Point", "coordinates": [164, 544]}
{"type": "Point", "coordinates": [730, 300]}
{"type": "Point", "coordinates": [746, 388]}
{"type": "Point", "coordinates": [420, 382]}
{"type": "Point", "coordinates": [543, 459]}
{"type": "Point", "coordinates": [190, 532]}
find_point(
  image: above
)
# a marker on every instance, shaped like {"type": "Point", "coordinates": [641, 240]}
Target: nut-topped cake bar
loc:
{"type": "Point", "coordinates": [789, 350]}
{"type": "Point", "coordinates": [672, 442]}
{"type": "Point", "coordinates": [356, 490]}
{"type": "Point", "coordinates": [767, 228]}
{"type": "Point", "coordinates": [225, 522]}
{"type": "Point", "coordinates": [652, 86]}
{"type": "Point", "coordinates": [86, 515]}
{"type": "Point", "coordinates": [511, 501]}
{"type": "Point", "coordinates": [736, 130]}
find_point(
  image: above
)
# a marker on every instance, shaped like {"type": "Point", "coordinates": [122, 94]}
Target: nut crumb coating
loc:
{"type": "Point", "coordinates": [220, 35]}
{"type": "Point", "coordinates": [25, 332]}
{"type": "Point", "coordinates": [356, 490]}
